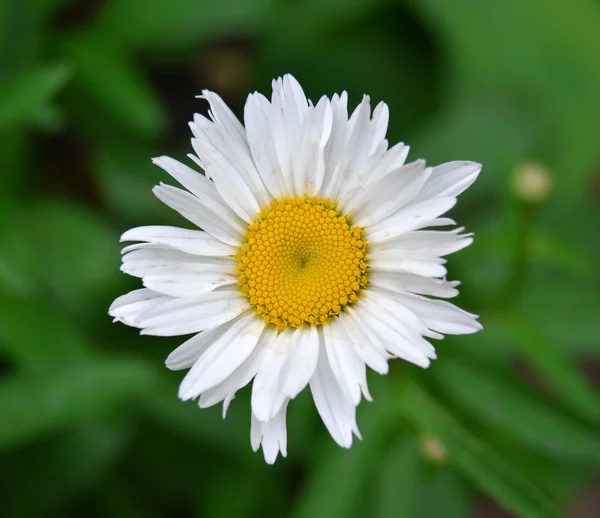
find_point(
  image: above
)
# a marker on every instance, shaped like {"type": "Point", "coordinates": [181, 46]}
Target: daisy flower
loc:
{"type": "Point", "coordinates": [311, 263]}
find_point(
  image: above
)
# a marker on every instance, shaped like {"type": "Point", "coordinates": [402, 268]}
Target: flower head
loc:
{"type": "Point", "coordinates": [312, 262]}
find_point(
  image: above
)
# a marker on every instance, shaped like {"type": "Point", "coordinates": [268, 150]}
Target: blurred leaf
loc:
{"type": "Point", "coordinates": [32, 406]}
{"type": "Point", "coordinates": [568, 257]}
{"type": "Point", "coordinates": [126, 178]}
{"type": "Point", "coordinates": [545, 355]}
{"type": "Point", "coordinates": [64, 247]}
{"type": "Point", "coordinates": [176, 24]}
{"type": "Point", "coordinates": [338, 480]}
{"type": "Point", "coordinates": [446, 495]}
{"type": "Point", "coordinates": [399, 482]}
{"type": "Point", "coordinates": [545, 49]}
{"type": "Point", "coordinates": [204, 426]}
{"type": "Point", "coordinates": [21, 31]}
{"type": "Point", "coordinates": [53, 340]}
{"type": "Point", "coordinates": [60, 469]}
{"type": "Point", "coordinates": [24, 97]}
{"type": "Point", "coordinates": [563, 307]}
{"type": "Point", "coordinates": [110, 78]}
{"type": "Point", "coordinates": [476, 459]}
{"type": "Point", "coordinates": [536, 425]}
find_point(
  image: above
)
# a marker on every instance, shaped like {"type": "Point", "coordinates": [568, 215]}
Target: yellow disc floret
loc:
{"type": "Point", "coordinates": [301, 262]}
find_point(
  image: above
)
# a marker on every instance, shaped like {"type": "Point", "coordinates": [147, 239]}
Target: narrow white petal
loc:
{"type": "Point", "coordinates": [450, 179]}
{"type": "Point", "coordinates": [301, 362]}
{"type": "Point", "coordinates": [189, 351]}
{"type": "Point", "coordinates": [257, 117]}
{"type": "Point", "coordinates": [267, 396]}
{"type": "Point", "coordinates": [374, 356]}
{"type": "Point", "coordinates": [194, 242]}
{"type": "Point", "coordinates": [178, 282]}
{"type": "Point", "coordinates": [390, 194]}
{"type": "Point", "coordinates": [409, 218]}
{"type": "Point", "coordinates": [308, 153]}
{"type": "Point", "coordinates": [272, 435]}
{"type": "Point", "coordinates": [395, 343]}
{"type": "Point", "coordinates": [409, 283]}
{"type": "Point", "coordinates": [225, 391]}
{"type": "Point", "coordinates": [336, 142]}
{"type": "Point", "coordinates": [207, 214]}
{"type": "Point", "coordinates": [352, 152]}
{"type": "Point", "coordinates": [128, 307]}
{"type": "Point", "coordinates": [229, 182]}
{"type": "Point", "coordinates": [435, 243]}
{"type": "Point", "coordinates": [439, 315]}
{"type": "Point", "coordinates": [342, 360]}
{"type": "Point", "coordinates": [337, 413]}
{"type": "Point", "coordinates": [384, 309]}
{"type": "Point", "coordinates": [407, 262]}
{"type": "Point", "coordinates": [192, 314]}
{"type": "Point", "coordinates": [223, 356]}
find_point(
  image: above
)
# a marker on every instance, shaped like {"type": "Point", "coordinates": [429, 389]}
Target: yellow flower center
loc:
{"type": "Point", "coordinates": [301, 262]}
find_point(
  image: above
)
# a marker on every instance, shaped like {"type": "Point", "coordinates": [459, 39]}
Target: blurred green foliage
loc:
{"type": "Point", "coordinates": [89, 419]}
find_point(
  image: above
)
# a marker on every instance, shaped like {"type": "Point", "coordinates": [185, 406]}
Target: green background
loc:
{"type": "Point", "coordinates": [90, 424]}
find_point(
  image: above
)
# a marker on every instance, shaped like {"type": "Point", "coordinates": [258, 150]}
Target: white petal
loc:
{"type": "Point", "coordinates": [436, 243]}
{"type": "Point", "coordinates": [301, 362]}
{"type": "Point", "coordinates": [450, 179]}
{"type": "Point", "coordinates": [267, 396]}
{"type": "Point", "coordinates": [189, 351]}
{"type": "Point", "coordinates": [177, 282]}
{"type": "Point", "coordinates": [336, 142]}
{"type": "Point", "coordinates": [440, 315]}
{"type": "Point", "coordinates": [337, 413]}
{"type": "Point", "coordinates": [410, 283]}
{"type": "Point", "coordinates": [385, 309]}
{"type": "Point", "coordinates": [229, 182]}
{"type": "Point", "coordinates": [369, 352]}
{"type": "Point", "coordinates": [308, 153]}
{"type": "Point", "coordinates": [225, 391]}
{"type": "Point", "coordinates": [192, 314]}
{"type": "Point", "coordinates": [342, 360]}
{"type": "Point", "coordinates": [352, 153]}
{"type": "Point", "coordinates": [224, 117]}
{"type": "Point", "coordinates": [227, 136]}
{"type": "Point", "coordinates": [407, 262]}
{"type": "Point", "coordinates": [207, 214]}
{"type": "Point", "coordinates": [391, 193]}
{"type": "Point", "coordinates": [409, 218]}
{"type": "Point", "coordinates": [271, 435]}
{"type": "Point", "coordinates": [259, 128]}
{"type": "Point", "coordinates": [396, 343]}
{"type": "Point", "coordinates": [128, 307]}
{"type": "Point", "coordinates": [223, 356]}
{"type": "Point", "coordinates": [194, 242]}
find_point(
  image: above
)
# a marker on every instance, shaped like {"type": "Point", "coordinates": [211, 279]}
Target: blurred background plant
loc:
{"type": "Point", "coordinates": [507, 419]}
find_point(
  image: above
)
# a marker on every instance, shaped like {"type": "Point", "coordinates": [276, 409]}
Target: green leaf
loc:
{"type": "Point", "coordinates": [546, 50]}
{"type": "Point", "coordinates": [446, 494]}
{"type": "Point", "coordinates": [476, 459]}
{"type": "Point", "coordinates": [535, 424]}
{"type": "Point", "coordinates": [55, 339]}
{"type": "Point", "coordinates": [35, 405]}
{"type": "Point", "coordinates": [65, 248]}
{"type": "Point", "coordinates": [399, 482]}
{"type": "Point", "coordinates": [339, 479]}
{"type": "Point", "coordinates": [176, 24]}
{"type": "Point", "coordinates": [106, 76]}
{"type": "Point", "coordinates": [24, 97]}
{"type": "Point", "coordinates": [60, 469]}
{"type": "Point", "coordinates": [559, 368]}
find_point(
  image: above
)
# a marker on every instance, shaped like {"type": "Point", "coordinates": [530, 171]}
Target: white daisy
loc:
{"type": "Point", "coordinates": [312, 262]}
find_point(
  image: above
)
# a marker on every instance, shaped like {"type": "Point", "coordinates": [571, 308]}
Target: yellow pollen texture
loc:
{"type": "Point", "coordinates": [301, 262]}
